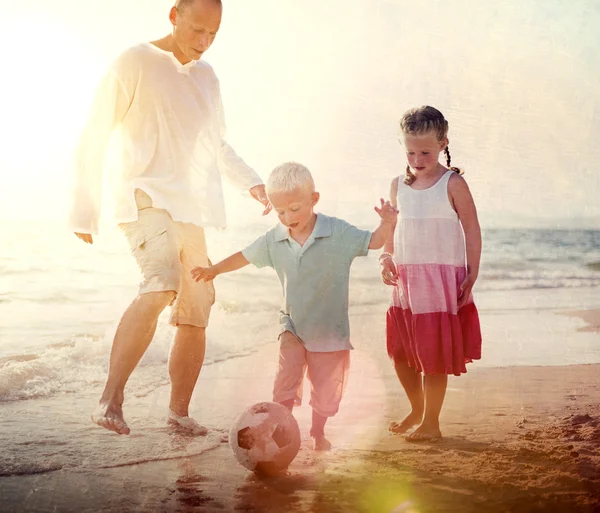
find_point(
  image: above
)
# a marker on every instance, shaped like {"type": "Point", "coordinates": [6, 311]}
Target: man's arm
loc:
{"type": "Point", "coordinates": [231, 263]}
{"type": "Point", "coordinates": [108, 109]}
{"type": "Point", "coordinates": [233, 166]}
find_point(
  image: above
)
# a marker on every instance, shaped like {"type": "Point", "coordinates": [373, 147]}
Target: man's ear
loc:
{"type": "Point", "coordinates": [315, 198]}
{"type": "Point", "coordinates": [173, 15]}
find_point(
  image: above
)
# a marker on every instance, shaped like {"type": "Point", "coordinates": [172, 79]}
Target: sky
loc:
{"type": "Point", "coordinates": [325, 83]}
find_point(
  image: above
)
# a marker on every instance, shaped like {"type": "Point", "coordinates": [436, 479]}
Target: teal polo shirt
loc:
{"type": "Point", "coordinates": [314, 278]}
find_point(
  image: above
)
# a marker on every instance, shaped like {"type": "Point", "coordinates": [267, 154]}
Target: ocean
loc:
{"type": "Point", "coordinates": [60, 300]}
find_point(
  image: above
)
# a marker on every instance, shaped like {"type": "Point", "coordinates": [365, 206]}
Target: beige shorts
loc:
{"type": "Point", "coordinates": [326, 372]}
{"type": "Point", "coordinates": [166, 251]}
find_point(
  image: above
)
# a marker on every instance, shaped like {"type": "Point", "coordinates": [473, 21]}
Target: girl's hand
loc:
{"type": "Point", "coordinates": [203, 273]}
{"type": "Point", "coordinates": [387, 212]}
{"type": "Point", "coordinates": [464, 291]}
{"type": "Point", "coordinates": [389, 273]}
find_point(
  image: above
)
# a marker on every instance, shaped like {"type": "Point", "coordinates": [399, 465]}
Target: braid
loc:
{"type": "Point", "coordinates": [424, 120]}
{"type": "Point", "coordinates": [449, 160]}
{"type": "Point", "coordinates": [409, 176]}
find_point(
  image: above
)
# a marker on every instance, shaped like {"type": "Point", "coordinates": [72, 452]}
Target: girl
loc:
{"type": "Point", "coordinates": [432, 263]}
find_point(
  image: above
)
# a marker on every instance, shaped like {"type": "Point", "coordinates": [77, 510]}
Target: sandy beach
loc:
{"type": "Point", "coordinates": [519, 438]}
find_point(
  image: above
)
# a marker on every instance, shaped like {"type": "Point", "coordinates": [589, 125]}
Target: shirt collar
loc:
{"type": "Point", "coordinates": [322, 229]}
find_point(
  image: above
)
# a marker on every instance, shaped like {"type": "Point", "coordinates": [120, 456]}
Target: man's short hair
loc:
{"type": "Point", "coordinates": [288, 177]}
{"type": "Point", "coordinates": [182, 4]}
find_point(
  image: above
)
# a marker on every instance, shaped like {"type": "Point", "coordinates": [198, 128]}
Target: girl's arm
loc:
{"type": "Point", "coordinates": [389, 273]}
{"type": "Point", "coordinates": [463, 204]}
{"type": "Point", "coordinates": [231, 263]}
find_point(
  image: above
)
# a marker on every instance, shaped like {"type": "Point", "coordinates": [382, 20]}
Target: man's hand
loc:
{"type": "Point", "coordinates": [85, 237]}
{"type": "Point", "coordinates": [204, 273]}
{"type": "Point", "coordinates": [259, 194]}
{"type": "Point", "coordinates": [387, 211]}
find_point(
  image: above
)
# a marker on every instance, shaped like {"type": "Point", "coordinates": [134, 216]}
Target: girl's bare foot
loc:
{"type": "Point", "coordinates": [320, 443]}
{"type": "Point", "coordinates": [425, 433]}
{"type": "Point", "coordinates": [412, 419]}
{"type": "Point", "coordinates": [110, 417]}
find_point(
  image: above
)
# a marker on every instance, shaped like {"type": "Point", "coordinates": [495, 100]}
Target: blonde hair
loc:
{"type": "Point", "coordinates": [288, 177]}
{"type": "Point", "coordinates": [423, 120]}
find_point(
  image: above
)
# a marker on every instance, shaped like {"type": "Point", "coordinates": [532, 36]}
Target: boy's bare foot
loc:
{"type": "Point", "coordinates": [320, 443]}
{"type": "Point", "coordinates": [424, 433]}
{"type": "Point", "coordinates": [399, 428]}
{"type": "Point", "coordinates": [187, 424]}
{"type": "Point", "coordinates": [110, 417]}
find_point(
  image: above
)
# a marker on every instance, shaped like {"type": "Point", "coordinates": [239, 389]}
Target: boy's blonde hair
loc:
{"type": "Point", "coordinates": [289, 176]}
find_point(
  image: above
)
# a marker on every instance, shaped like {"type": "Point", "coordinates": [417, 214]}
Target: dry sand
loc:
{"type": "Point", "coordinates": [516, 439]}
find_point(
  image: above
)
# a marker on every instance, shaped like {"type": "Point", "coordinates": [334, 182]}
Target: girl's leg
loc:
{"type": "Point", "coordinates": [412, 382]}
{"type": "Point", "coordinates": [435, 392]}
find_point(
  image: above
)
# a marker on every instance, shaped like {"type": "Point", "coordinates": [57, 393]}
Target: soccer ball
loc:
{"type": "Point", "coordinates": [265, 438]}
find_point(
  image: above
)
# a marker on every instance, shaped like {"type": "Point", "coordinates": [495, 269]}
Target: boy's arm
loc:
{"type": "Point", "coordinates": [388, 247]}
{"type": "Point", "coordinates": [389, 273]}
{"type": "Point", "coordinates": [381, 234]}
{"type": "Point", "coordinates": [388, 214]}
{"type": "Point", "coordinates": [231, 263]}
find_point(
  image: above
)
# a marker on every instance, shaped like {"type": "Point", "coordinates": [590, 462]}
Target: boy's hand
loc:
{"type": "Point", "coordinates": [389, 273]}
{"type": "Point", "coordinates": [387, 211]}
{"type": "Point", "coordinates": [203, 273]}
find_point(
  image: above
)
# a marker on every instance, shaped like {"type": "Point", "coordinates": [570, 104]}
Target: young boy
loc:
{"type": "Point", "coordinates": [311, 254]}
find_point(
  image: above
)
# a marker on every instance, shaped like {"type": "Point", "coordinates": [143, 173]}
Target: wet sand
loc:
{"type": "Point", "coordinates": [522, 439]}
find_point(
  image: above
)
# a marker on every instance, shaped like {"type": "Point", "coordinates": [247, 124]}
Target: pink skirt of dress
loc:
{"type": "Point", "coordinates": [424, 327]}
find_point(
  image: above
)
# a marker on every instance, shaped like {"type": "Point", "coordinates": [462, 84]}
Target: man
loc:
{"type": "Point", "coordinates": [167, 104]}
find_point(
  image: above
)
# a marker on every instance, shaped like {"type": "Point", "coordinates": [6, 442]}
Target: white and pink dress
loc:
{"type": "Point", "coordinates": [424, 326]}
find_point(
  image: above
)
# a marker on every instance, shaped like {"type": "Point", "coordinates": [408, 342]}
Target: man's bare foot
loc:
{"type": "Point", "coordinates": [186, 424]}
{"type": "Point", "coordinates": [424, 433]}
{"type": "Point", "coordinates": [399, 428]}
{"type": "Point", "coordinates": [110, 417]}
{"type": "Point", "coordinates": [320, 443]}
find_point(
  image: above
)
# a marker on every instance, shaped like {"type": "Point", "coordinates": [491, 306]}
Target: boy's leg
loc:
{"type": "Point", "coordinates": [328, 375]}
{"type": "Point", "coordinates": [412, 382]}
{"type": "Point", "coordinates": [287, 389]}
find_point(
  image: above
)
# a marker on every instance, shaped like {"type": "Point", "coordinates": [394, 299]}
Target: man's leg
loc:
{"type": "Point", "coordinates": [185, 363]}
{"type": "Point", "coordinates": [154, 243]}
{"type": "Point", "coordinates": [190, 314]}
{"type": "Point", "coordinates": [132, 338]}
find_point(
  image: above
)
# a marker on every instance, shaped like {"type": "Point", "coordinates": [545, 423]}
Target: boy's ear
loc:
{"type": "Point", "coordinates": [315, 198]}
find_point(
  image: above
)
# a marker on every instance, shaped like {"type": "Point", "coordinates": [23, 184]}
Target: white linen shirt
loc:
{"type": "Point", "coordinates": [172, 142]}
